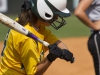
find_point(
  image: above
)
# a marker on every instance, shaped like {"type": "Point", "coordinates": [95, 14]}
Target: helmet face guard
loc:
{"type": "Point", "coordinates": [58, 23]}
{"type": "Point", "coordinates": [47, 9]}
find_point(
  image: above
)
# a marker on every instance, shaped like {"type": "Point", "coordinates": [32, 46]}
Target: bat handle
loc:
{"type": "Point", "coordinates": [44, 42]}
{"type": "Point", "coordinates": [37, 39]}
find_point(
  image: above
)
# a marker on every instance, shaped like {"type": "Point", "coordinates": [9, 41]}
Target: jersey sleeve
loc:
{"type": "Point", "coordinates": [48, 35]}
{"type": "Point", "coordinates": [29, 56]}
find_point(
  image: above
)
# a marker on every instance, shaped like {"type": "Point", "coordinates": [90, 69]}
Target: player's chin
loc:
{"type": "Point", "coordinates": [47, 24]}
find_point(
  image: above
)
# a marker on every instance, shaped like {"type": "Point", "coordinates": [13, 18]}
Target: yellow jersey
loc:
{"type": "Point", "coordinates": [21, 54]}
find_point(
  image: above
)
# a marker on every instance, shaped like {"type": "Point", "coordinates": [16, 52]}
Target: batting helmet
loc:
{"type": "Point", "coordinates": [46, 10]}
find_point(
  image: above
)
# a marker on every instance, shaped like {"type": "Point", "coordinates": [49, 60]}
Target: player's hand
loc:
{"type": "Point", "coordinates": [67, 55]}
{"type": "Point", "coordinates": [54, 52]}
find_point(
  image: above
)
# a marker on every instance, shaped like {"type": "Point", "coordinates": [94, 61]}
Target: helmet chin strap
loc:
{"type": "Point", "coordinates": [61, 23]}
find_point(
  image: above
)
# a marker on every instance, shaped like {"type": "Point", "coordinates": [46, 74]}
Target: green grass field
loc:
{"type": "Point", "coordinates": [73, 28]}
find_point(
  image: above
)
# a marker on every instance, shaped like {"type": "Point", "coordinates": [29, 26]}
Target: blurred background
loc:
{"type": "Point", "coordinates": [73, 28]}
{"type": "Point", "coordinates": [74, 31]}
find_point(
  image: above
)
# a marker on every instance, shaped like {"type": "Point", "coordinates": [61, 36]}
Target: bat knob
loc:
{"type": "Point", "coordinates": [73, 59]}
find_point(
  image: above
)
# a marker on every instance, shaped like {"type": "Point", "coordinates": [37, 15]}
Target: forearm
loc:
{"type": "Point", "coordinates": [61, 45]}
{"type": "Point", "coordinates": [43, 66]}
{"type": "Point", "coordinates": [84, 19]}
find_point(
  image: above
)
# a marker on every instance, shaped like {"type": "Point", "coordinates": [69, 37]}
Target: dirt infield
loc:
{"type": "Point", "coordinates": [83, 64]}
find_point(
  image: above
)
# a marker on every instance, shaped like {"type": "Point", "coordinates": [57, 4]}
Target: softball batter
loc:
{"type": "Point", "coordinates": [22, 55]}
{"type": "Point", "coordinates": [88, 11]}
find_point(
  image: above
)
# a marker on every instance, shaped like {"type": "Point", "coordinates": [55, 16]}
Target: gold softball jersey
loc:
{"type": "Point", "coordinates": [21, 54]}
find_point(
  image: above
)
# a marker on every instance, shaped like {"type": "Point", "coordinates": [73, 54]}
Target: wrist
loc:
{"type": "Point", "coordinates": [50, 57]}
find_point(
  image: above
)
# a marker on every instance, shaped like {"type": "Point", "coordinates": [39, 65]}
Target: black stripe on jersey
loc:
{"type": "Point", "coordinates": [5, 42]}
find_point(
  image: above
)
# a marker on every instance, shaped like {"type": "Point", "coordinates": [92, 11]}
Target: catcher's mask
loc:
{"type": "Point", "coordinates": [47, 10]}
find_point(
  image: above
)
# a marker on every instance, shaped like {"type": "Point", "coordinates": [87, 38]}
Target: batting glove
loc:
{"type": "Point", "coordinates": [67, 55]}
{"type": "Point", "coordinates": [54, 52]}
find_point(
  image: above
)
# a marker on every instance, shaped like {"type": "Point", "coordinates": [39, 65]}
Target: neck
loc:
{"type": "Point", "coordinates": [36, 28]}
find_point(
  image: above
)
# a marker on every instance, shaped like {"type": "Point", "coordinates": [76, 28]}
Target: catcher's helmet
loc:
{"type": "Point", "coordinates": [46, 10]}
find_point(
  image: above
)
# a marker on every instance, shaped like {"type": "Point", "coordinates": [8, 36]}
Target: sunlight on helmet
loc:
{"type": "Point", "coordinates": [46, 10]}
